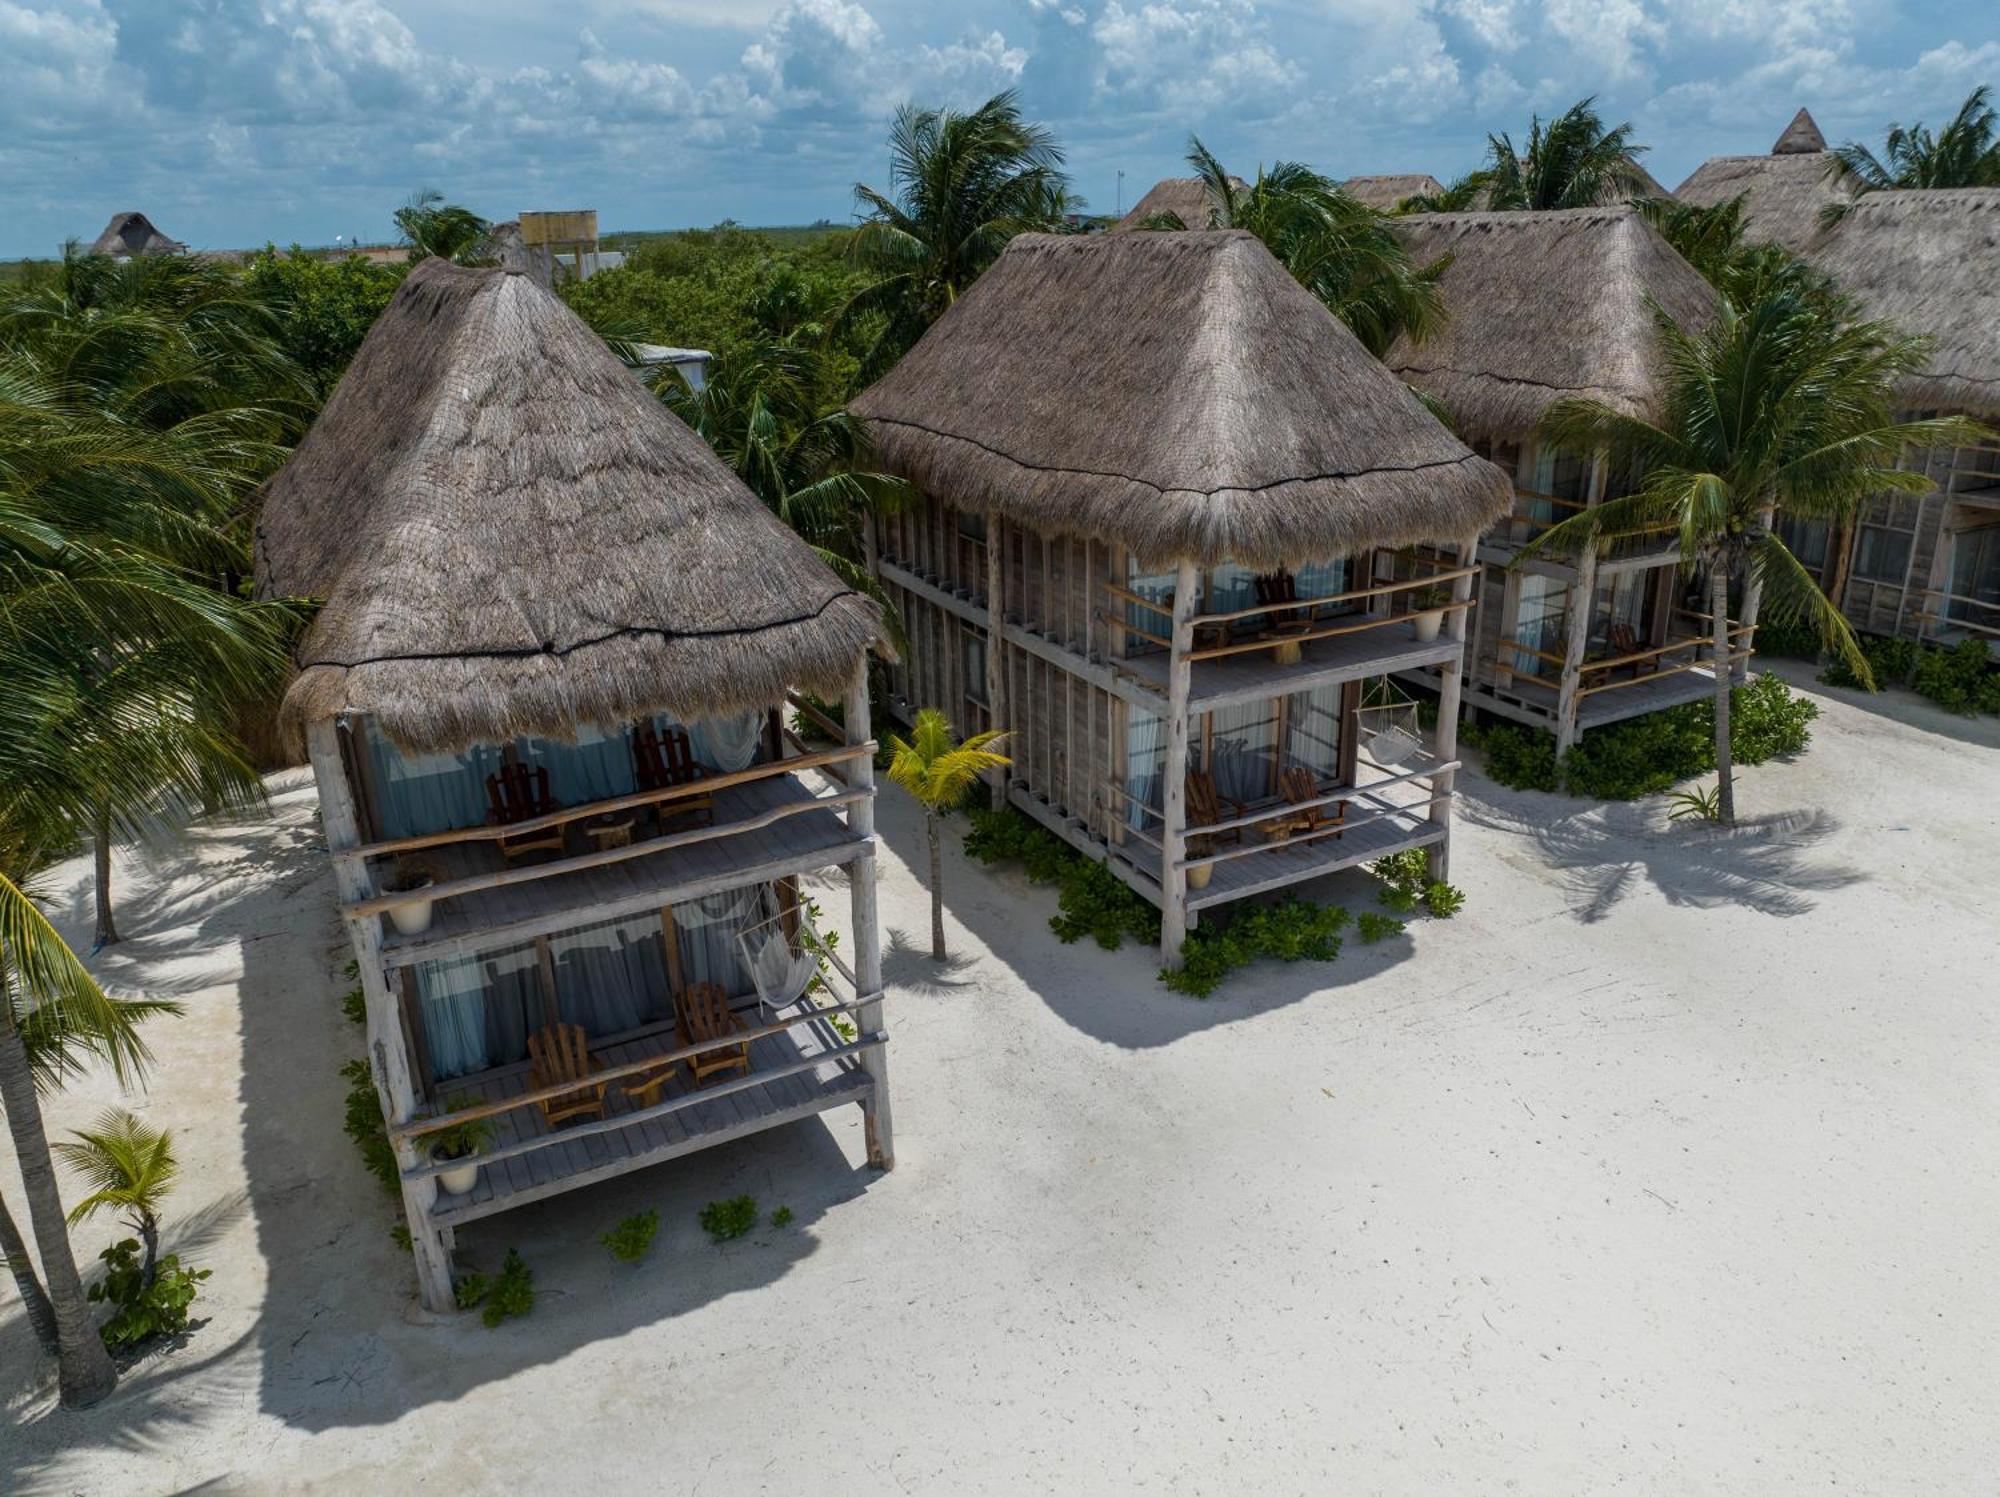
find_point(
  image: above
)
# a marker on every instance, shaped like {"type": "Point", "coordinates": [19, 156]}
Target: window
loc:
{"type": "Point", "coordinates": [1805, 539]}
{"type": "Point", "coordinates": [1238, 749]}
{"type": "Point", "coordinates": [1541, 618]}
{"type": "Point", "coordinates": [972, 656]}
{"type": "Point", "coordinates": [1621, 599]}
{"type": "Point", "coordinates": [1145, 760]}
{"type": "Point", "coordinates": [1882, 544]}
{"type": "Point", "coordinates": [1975, 578]}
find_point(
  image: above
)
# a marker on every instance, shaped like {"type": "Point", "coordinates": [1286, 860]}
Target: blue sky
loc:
{"type": "Point", "coordinates": [236, 121]}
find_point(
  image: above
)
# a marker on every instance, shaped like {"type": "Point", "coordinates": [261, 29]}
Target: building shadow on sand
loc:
{"type": "Point", "coordinates": [338, 1341]}
{"type": "Point", "coordinates": [1112, 996]}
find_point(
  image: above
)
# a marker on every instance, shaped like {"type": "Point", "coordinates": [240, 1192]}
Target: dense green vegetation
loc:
{"type": "Point", "coordinates": [1960, 678]}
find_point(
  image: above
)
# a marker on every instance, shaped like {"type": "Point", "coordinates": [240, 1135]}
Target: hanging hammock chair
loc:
{"type": "Point", "coordinates": [782, 965]}
{"type": "Point", "coordinates": [1386, 726]}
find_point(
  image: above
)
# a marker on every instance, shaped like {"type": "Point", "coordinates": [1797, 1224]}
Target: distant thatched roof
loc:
{"type": "Point", "coordinates": [1184, 197]}
{"type": "Point", "coordinates": [1542, 306]}
{"type": "Point", "coordinates": [1924, 260]}
{"type": "Point", "coordinates": [1801, 137]}
{"type": "Point", "coordinates": [512, 536]}
{"type": "Point", "coordinates": [1384, 193]}
{"type": "Point", "coordinates": [1784, 192]}
{"type": "Point", "coordinates": [1177, 394]}
{"type": "Point", "coordinates": [130, 235]}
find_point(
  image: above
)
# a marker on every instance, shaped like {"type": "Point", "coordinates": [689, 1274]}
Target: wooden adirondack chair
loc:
{"type": "Point", "coordinates": [1204, 808]}
{"type": "Point", "coordinates": [1275, 588]}
{"type": "Point", "coordinates": [560, 1054]}
{"type": "Point", "coordinates": [701, 1013]}
{"type": "Point", "coordinates": [1622, 641]}
{"type": "Point", "coordinates": [661, 761]}
{"type": "Point", "coordinates": [1300, 786]}
{"type": "Point", "coordinates": [517, 793]}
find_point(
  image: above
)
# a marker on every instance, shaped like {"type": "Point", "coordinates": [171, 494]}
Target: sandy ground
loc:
{"type": "Point", "coordinates": [1668, 1166]}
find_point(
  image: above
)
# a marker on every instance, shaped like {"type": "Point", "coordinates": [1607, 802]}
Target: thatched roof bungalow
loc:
{"type": "Point", "coordinates": [1174, 515]}
{"type": "Point", "coordinates": [1177, 394]}
{"type": "Point", "coordinates": [494, 561]}
{"type": "Point", "coordinates": [1385, 193]}
{"type": "Point", "coordinates": [1784, 192]}
{"type": "Point", "coordinates": [1929, 262]}
{"type": "Point", "coordinates": [1541, 306]}
{"type": "Point", "coordinates": [1184, 198]}
{"type": "Point", "coordinates": [556, 636]}
{"type": "Point", "coordinates": [131, 235]}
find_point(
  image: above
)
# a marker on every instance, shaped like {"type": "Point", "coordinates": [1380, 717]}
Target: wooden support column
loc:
{"type": "Point", "coordinates": [877, 1127]}
{"type": "Point", "coordinates": [389, 1059]}
{"type": "Point", "coordinates": [1753, 601]}
{"type": "Point", "coordinates": [1174, 920]}
{"type": "Point", "coordinates": [1583, 598]}
{"type": "Point", "coordinates": [1451, 695]}
{"type": "Point", "coordinates": [996, 642]}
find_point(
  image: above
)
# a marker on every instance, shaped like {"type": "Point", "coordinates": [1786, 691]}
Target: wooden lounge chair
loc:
{"type": "Point", "coordinates": [518, 793]}
{"type": "Point", "coordinates": [1300, 786]}
{"type": "Point", "coordinates": [560, 1054]}
{"type": "Point", "coordinates": [661, 761]}
{"type": "Point", "coordinates": [1204, 808]}
{"type": "Point", "coordinates": [1622, 641]}
{"type": "Point", "coordinates": [701, 1013]}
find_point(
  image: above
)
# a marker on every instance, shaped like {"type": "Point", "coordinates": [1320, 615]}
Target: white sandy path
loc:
{"type": "Point", "coordinates": [1669, 1166]}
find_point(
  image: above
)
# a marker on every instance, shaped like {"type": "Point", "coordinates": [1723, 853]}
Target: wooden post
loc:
{"type": "Point", "coordinates": [1174, 920]}
{"type": "Point", "coordinates": [996, 644]}
{"type": "Point", "coordinates": [1753, 600]}
{"type": "Point", "coordinates": [1451, 688]}
{"type": "Point", "coordinates": [389, 1061]}
{"type": "Point", "coordinates": [877, 1127]}
{"type": "Point", "coordinates": [1582, 597]}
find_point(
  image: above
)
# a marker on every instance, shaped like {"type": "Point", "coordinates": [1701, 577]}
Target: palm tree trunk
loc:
{"type": "Point", "coordinates": [41, 1314]}
{"type": "Point", "coordinates": [937, 888]}
{"type": "Point", "coordinates": [1718, 609]}
{"type": "Point", "coordinates": [86, 1374]}
{"type": "Point", "coordinates": [107, 930]}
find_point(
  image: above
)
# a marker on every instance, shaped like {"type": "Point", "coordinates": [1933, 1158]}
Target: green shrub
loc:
{"type": "Point", "coordinates": [471, 1290]}
{"type": "Point", "coordinates": [1292, 930]}
{"type": "Point", "coordinates": [1090, 899]}
{"type": "Point", "coordinates": [512, 1293]}
{"type": "Point", "coordinates": [1959, 679]}
{"type": "Point", "coordinates": [1443, 900]}
{"type": "Point", "coordinates": [1373, 926]}
{"type": "Point", "coordinates": [1521, 758]}
{"type": "Point", "coordinates": [1792, 641]}
{"type": "Point", "coordinates": [143, 1310]}
{"type": "Point", "coordinates": [629, 1241]}
{"type": "Point", "coordinates": [730, 1219]}
{"type": "Point", "coordinates": [365, 1124]}
{"type": "Point", "coordinates": [782, 1217]}
{"type": "Point", "coordinates": [1767, 720]}
{"type": "Point", "coordinates": [354, 1002]}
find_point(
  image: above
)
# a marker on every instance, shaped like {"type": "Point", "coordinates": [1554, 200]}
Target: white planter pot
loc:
{"type": "Point", "coordinates": [461, 1177]}
{"type": "Point", "coordinates": [412, 917]}
{"type": "Point", "coordinates": [1427, 624]}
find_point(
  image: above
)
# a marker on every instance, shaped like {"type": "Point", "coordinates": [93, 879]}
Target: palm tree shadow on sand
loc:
{"type": "Point", "coordinates": [907, 965]}
{"type": "Point", "coordinates": [1601, 854]}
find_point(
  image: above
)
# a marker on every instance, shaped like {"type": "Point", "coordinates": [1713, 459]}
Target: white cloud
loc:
{"type": "Point", "coordinates": [1188, 56]}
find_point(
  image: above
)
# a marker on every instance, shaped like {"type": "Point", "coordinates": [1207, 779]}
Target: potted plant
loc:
{"type": "Point", "coordinates": [411, 917]}
{"type": "Point", "coordinates": [1427, 607]}
{"type": "Point", "coordinates": [1197, 875]}
{"type": "Point", "coordinates": [460, 1141]}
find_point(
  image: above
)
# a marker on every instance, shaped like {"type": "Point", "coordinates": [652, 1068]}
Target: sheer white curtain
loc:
{"type": "Point", "coordinates": [725, 744]}
{"type": "Point", "coordinates": [1539, 622]}
{"type": "Point", "coordinates": [707, 931]}
{"type": "Point", "coordinates": [1243, 739]}
{"type": "Point", "coordinates": [1312, 731]}
{"type": "Point", "coordinates": [476, 1011]}
{"type": "Point", "coordinates": [1145, 759]}
{"type": "Point", "coordinates": [612, 976]}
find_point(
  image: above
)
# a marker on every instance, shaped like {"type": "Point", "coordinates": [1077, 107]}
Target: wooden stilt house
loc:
{"type": "Point", "coordinates": [1540, 307]}
{"type": "Point", "coordinates": [556, 641]}
{"type": "Point", "coordinates": [1174, 517]}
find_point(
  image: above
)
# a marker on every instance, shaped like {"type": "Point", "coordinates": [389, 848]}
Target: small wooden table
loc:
{"type": "Point", "coordinates": [1286, 648]}
{"type": "Point", "coordinates": [610, 829]}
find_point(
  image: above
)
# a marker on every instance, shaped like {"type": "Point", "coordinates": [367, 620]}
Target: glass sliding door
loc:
{"type": "Point", "coordinates": [1145, 760]}
{"type": "Point", "coordinates": [1541, 619]}
{"type": "Point", "coordinates": [1975, 577]}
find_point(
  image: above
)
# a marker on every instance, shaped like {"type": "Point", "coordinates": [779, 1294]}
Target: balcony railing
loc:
{"type": "Point", "coordinates": [1652, 659]}
{"type": "Point", "coordinates": [1520, 527]}
{"type": "Point", "coordinates": [1945, 612]}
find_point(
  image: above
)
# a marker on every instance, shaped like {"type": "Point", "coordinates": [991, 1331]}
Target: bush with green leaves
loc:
{"type": "Point", "coordinates": [632, 1238]}
{"type": "Point", "coordinates": [1960, 678]}
{"type": "Point", "coordinates": [1373, 926]}
{"type": "Point", "coordinates": [1291, 930]}
{"type": "Point", "coordinates": [727, 1220]}
{"type": "Point", "coordinates": [505, 1295]}
{"type": "Point", "coordinates": [782, 1217]}
{"type": "Point", "coordinates": [142, 1309]}
{"type": "Point", "coordinates": [365, 1124]}
{"type": "Point", "coordinates": [1090, 899]}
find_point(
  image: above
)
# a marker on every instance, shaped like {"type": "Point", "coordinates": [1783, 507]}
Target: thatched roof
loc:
{"type": "Point", "coordinates": [132, 234]}
{"type": "Point", "coordinates": [1384, 193]}
{"type": "Point", "coordinates": [1184, 197]}
{"type": "Point", "coordinates": [1177, 394]}
{"type": "Point", "coordinates": [1924, 260]}
{"type": "Point", "coordinates": [1801, 137]}
{"type": "Point", "coordinates": [512, 536]}
{"type": "Point", "coordinates": [1784, 193]}
{"type": "Point", "coordinates": [1542, 306]}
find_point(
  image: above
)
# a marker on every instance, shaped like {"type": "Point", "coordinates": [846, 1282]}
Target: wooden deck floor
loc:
{"type": "Point", "coordinates": [1254, 676]}
{"type": "Point", "coordinates": [581, 1160]}
{"type": "Point", "coordinates": [1531, 702]}
{"type": "Point", "coordinates": [497, 917]}
{"type": "Point", "coordinates": [1279, 864]}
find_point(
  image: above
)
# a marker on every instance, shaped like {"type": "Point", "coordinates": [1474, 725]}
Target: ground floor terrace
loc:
{"type": "Point", "coordinates": [1490, 1206]}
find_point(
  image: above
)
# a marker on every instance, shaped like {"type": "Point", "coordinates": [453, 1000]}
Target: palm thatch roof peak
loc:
{"type": "Point", "coordinates": [511, 535]}
{"type": "Point", "coordinates": [1540, 306]}
{"type": "Point", "coordinates": [1801, 137]}
{"type": "Point", "coordinates": [1922, 259]}
{"type": "Point", "coordinates": [1385, 192]}
{"type": "Point", "coordinates": [1178, 394]}
{"type": "Point", "coordinates": [130, 235]}
{"type": "Point", "coordinates": [1186, 198]}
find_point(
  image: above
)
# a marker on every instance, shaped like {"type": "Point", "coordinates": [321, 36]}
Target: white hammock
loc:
{"type": "Point", "coordinates": [781, 966]}
{"type": "Point", "coordinates": [1389, 731]}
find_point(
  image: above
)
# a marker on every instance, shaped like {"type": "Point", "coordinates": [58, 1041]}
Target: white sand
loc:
{"type": "Point", "coordinates": [1669, 1166]}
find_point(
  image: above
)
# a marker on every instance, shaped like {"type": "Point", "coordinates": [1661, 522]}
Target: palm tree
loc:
{"type": "Point", "coordinates": [431, 226]}
{"type": "Point", "coordinates": [939, 772]}
{"type": "Point", "coordinates": [960, 187]}
{"type": "Point", "coordinates": [1966, 153]}
{"type": "Point", "coordinates": [1461, 195]}
{"type": "Point", "coordinates": [1777, 406]}
{"type": "Point", "coordinates": [1571, 162]}
{"type": "Point", "coordinates": [129, 1167]}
